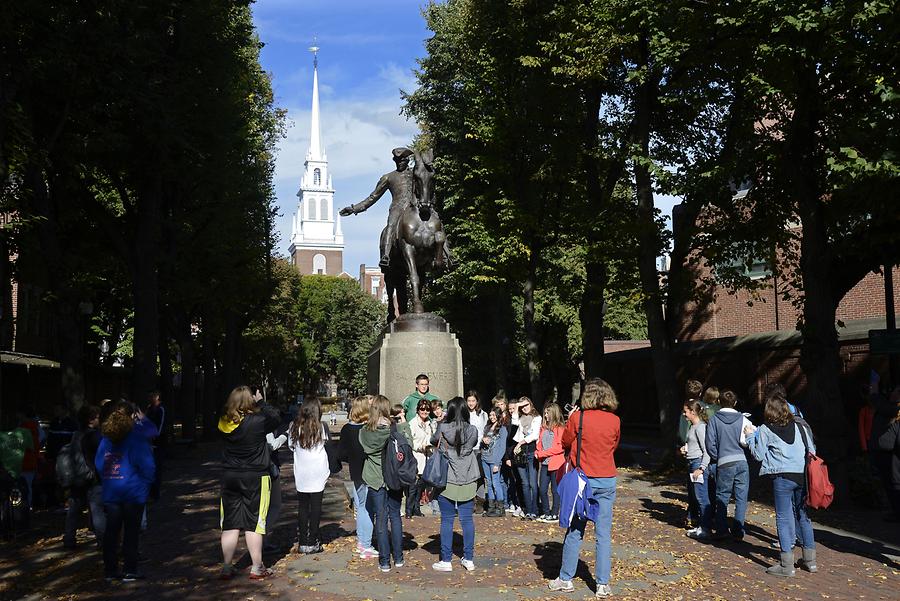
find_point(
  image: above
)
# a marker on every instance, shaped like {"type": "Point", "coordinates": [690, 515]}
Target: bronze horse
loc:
{"type": "Point", "coordinates": [421, 244]}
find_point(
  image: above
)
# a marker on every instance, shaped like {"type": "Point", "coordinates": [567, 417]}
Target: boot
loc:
{"type": "Point", "coordinates": [501, 510]}
{"type": "Point", "coordinates": [808, 561]}
{"type": "Point", "coordinates": [496, 509]}
{"type": "Point", "coordinates": [785, 568]}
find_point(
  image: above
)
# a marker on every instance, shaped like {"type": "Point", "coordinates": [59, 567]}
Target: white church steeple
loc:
{"type": "Point", "coordinates": [317, 242]}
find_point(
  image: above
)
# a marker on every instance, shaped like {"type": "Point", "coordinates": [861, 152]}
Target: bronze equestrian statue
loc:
{"type": "Point", "coordinates": [413, 242]}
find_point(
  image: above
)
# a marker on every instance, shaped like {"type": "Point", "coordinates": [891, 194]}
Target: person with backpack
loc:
{"type": "Point", "coordinates": [306, 438]}
{"type": "Point", "coordinates": [383, 502]}
{"type": "Point", "coordinates": [124, 461]}
{"type": "Point", "coordinates": [725, 442]}
{"type": "Point", "coordinates": [86, 489]}
{"type": "Point", "coordinates": [590, 440]}
{"type": "Point", "coordinates": [781, 445]}
{"type": "Point", "coordinates": [457, 438]}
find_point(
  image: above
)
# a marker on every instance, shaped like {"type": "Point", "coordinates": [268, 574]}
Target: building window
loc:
{"type": "Point", "coordinates": [323, 210]}
{"type": "Point", "coordinates": [319, 264]}
{"type": "Point", "coordinates": [317, 177]}
{"type": "Point", "coordinates": [376, 282]}
{"type": "Point", "coordinates": [311, 204]}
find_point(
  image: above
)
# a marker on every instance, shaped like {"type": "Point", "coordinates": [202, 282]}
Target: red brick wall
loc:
{"type": "Point", "coordinates": [303, 260]}
{"type": "Point", "coordinates": [741, 313]}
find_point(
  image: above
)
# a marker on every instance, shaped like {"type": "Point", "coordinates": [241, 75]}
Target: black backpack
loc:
{"type": "Point", "coordinates": [398, 465]}
{"type": "Point", "coordinates": [72, 468]}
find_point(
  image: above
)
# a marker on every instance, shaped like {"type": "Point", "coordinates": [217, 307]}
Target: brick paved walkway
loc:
{"type": "Point", "coordinates": [652, 559]}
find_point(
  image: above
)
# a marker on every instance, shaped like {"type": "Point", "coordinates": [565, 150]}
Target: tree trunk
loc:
{"type": "Point", "coordinates": [820, 353]}
{"type": "Point", "coordinates": [212, 400]}
{"type": "Point", "coordinates": [591, 314]}
{"type": "Point", "coordinates": [145, 290]}
{"type": "Point", "coordinates": [65, 306]}
{"type": "Point", "coordinates": [188, 397]}
{"type": "Point", "coordinates": [531, 333]}
{"type": "Point", "coordinates": [231, 361]}
{"type": "Point", "coordinates": [166, 385]}
{"type": "Point", "coordinates": [500, 338]}
{"type": "Point", "coordinates": [660, 343]}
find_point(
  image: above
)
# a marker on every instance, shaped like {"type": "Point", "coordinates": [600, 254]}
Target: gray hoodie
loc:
{"type": "Point", "coordinates": [463, 465]}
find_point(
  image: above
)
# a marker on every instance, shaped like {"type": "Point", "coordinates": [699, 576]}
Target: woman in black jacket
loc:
{"type": "Point", "coordinates": [247, 481]}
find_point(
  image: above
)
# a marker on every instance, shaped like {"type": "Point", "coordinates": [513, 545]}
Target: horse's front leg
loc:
{"type": "Point", "coordinates": [439, 240]}
{"type": "Point", "coordinates": [409, 254]}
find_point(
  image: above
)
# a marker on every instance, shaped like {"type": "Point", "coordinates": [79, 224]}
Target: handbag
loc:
{"type": "Point", "coordinates": [437, 467]}
{"type": "Point", "coordinates": [819, 489]}
{"type": "Point", "coordinates": [525, 452]}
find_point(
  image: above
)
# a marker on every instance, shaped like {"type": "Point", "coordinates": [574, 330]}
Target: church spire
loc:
{"type": "Point", "coordinates": [315, 152]}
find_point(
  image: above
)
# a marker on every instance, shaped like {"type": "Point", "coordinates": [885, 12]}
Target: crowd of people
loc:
{"type": "Point", "coordinates": [505, 459]}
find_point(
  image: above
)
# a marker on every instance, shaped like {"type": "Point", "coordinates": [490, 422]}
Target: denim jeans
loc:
{"type": "Point", "coordinates": [93, 498]}
{"type": "Point", "coordinates": [119, 515]}
{"type": "Point", "coordinates": [449, 511]}
{"type": "Point", "coordinates": [510, 477]}
{"type": "Point", "coordinates": [700, 491]}
{"type": "Point", "coordinates": [548, 478]}
{"type": "Point", "coordinates": [732, 477]}
{"type": "Point", "coordinates": [604, 490]}
{"type": "Point", "coordinates": [364, 525]}
{"type": "Point", "coordinates": [494, 488]}
{"type": "Point", "coordinates": [791, 520]}
{"type": "Point", "coordinates": [528, 476]}
{"type": "Point", "coordinates": [385, 505]}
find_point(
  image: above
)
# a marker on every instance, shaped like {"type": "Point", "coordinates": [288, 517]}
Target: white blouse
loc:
{"type": "Point", "coordinates": [310, 465]}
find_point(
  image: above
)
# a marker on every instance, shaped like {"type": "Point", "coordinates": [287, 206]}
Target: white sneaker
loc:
{"type": "Point", "coordinates": [603, 590]}
{"type": "Point", "coordinates": [442, 566]}
{"type": "Point", "coordinates": [698, 533]}
{"type": "Point", "coordinates": [561, 586]}
{"type": "Point", "coordinates": [468, 564]}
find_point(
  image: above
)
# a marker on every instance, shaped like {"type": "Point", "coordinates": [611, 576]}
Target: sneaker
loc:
{"type": "Point", "coordinates": [468, 564]}
{"type": "Point", "coordinates": [603, 590]}
{"type": "Point", "coordinates": [698, 533]}
{"type": "Point", "coordinates": [368, 554]}
{"type": "Point", "coordinates": [530, 517]}
{"type": "Point", "coordinates": [132, 577]}
{"type": "Point", "coordinates": [260, 575]}
{"type": "Point", "coordinates": [442, 566]}
{"type": "Point", "coordinates": [112, 577]}
{"type": "Point", "coordinates": [398, 564]}
{"type": "Point", "coordinates": [561, 586]}
{"type": "Point", "coordinates": [227, 573]}
{"type": "Point", "coordinates": [316, 548]}
{"type": "Point", "coordinates": [386, 568]}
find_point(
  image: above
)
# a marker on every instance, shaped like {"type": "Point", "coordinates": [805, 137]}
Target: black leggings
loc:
{"type": "Point", "coordinates": [308, 517]}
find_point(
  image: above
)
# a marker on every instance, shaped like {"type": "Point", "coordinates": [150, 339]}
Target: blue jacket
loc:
{"type": "Point", "coordinates": [126, 469]}
{"type": "Point", "coordinates": [576, 497]}
{"type": "Point", "coordinates": [777, 455]}
{"type": "Point", "coordinates": [724, 435]}
{"type": "Point", "coordinates": [493, 453]}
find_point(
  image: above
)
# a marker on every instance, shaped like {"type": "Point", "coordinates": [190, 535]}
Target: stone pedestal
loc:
{"type": "Point", "coordinates": [416, 344]}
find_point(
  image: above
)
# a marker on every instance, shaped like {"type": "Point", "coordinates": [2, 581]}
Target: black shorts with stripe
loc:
{"type": "Point", "coordinates": [245, 502]}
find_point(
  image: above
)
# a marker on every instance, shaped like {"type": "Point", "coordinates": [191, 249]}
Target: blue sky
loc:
{"type": "Point", "coordinates": [368, 50]}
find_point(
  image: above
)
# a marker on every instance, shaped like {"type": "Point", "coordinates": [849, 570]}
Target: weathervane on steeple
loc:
{"type": "Point", "coordinates": [315, 50]}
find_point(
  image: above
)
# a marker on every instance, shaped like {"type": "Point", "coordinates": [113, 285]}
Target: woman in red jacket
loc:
{"type": "Point", "coordinates": [599, 439]}
{"type": "Point", "coordinates": [550, 457]}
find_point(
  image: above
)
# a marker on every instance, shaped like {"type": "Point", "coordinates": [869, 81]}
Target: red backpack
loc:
{"type": "Point", "coordinates": [819, 489]}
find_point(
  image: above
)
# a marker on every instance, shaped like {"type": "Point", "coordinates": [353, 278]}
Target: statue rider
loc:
{"type": "Point", "coordinates": [400, 184]}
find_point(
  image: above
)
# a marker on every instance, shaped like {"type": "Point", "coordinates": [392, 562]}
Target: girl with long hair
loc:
{"type": "Point", "coordinates": [493, 448]}
{"type": "Point", "coordinates": [526, 418]}
{"type": "Point", "coordinates": [382, 502]}
{"type": "Point", "coordinates": [550, 457]}
{"type": "Point", "coordinates": [780, 444]}
{"type": "Point", "coordinates": [306, 437]}
{"type": "Point", "coordinates": [457, 437]}
{"type": "Point", "coordinates": [694, 451]}
{"type": "Point", "coordinates": [247, 479]}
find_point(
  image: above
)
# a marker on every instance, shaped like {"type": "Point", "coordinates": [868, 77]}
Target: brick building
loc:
{"type": "Point", "coordinates": [371, 281]}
